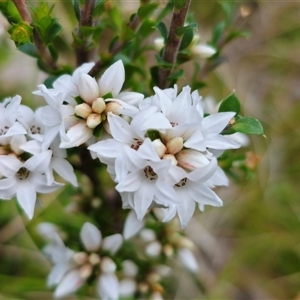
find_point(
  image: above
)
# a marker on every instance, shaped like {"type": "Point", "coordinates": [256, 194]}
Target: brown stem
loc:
{"type": "Point", "coordinates": [173, 43]}
{"type": "Point", "coordinates": [86, 19]}
{"type": "Point", "coordinates": [41, 48]}
{"type": "Point", "coordinates": [116, 48]}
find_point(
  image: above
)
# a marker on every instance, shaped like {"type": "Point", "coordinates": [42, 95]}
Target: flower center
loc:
{"type": "Point", "coordinates": [35, 129]}
{"type": "Point", "coordinates": [136, 144]}
{"type": "Point", "coordinates": [181, 183]}
{"type": "Point", "coordinates": [23, 173]}
{"type": "Point", "coordinates": [4, 130]}
{"type": "Point", "coordinates": [149, 173]}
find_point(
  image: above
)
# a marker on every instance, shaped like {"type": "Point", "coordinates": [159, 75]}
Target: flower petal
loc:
{"type": "Point", "coordinates": [108, 286]}
{"type": "Point", "coordinates": [112, 243]}
{"type": "Point", "coordinates": [90, 236]}
{"type": "Point", "coordinates": [26, 196]}
{"type": "Point", "coordinates": [132, 225]}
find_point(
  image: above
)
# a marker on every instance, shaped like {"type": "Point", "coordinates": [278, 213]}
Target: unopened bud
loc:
{"type": "Point", "coordinates": [94, 259]}
{"type": "Point", "coordinates": [147, 235]}
{"type": "Point", "coordinates": [86, 271]}
{"type": "Point", "coordinates": [172, 158]}
{"type": "Point", "coordinates": [174, 145]}
{"type": "Point", "coordinates": [156, 296]}
{"type": "Point", "coordinates": [3, 151]}
{"type": "Point", "coordinates": [153, 249]}
{"type": "Point", "coordinates": [80, 258]}
{"type": "Point", "coordinates": [16, 142]}
{"type": "Point", "coordinates": [88, 88]}
{"type": "Point", "coordinates": [113, 107]}
{"type": "Point", "coordinates": [191, 159]}
{"type": "Point", "coordinates": [203, 51]}
{"type": "Point", "coordinates": [143, 287]}
{"type": "Point", "coordinates": [83, 110]}
{"type": "Point", "coordinates": [159, 44]}
{"type": "Point", "coordinates": [107, 265]}
{"type": "Point", "coordinates": [168, 250]}
{"type": "Point", "coordinates": [153, 277]}
{"type": "Point", "coordinates": [159, 147]}
{"type": "Point", "coordinates": [185, 242]}
{"type": "Point", "coordinates": [93, 120]}
{"type": "Point", "coordinates": [98, 106]}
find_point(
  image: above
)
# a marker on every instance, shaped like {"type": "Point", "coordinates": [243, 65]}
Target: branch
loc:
{"type": "Point", "coordinates": [86, 19]}
{"type": "Point", "coordinates": [41, 47]}
{"type": "Point", "coordinates": [116, 48]}
{"type": "Point", "coordinates": [173, 43]}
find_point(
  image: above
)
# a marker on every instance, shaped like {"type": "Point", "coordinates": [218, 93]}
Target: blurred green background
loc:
{"type": "Point", "coordinates": [249, 248]}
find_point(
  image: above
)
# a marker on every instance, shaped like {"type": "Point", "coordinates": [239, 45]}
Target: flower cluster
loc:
{"type": "Point", "coordinates": [71, 269]}
{"type": "Point", "coordinates": [161, 150]}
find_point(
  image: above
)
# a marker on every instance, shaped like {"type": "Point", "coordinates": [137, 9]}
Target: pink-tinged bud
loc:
{"type": "Point", "coordinates": [86, 271]}
{"type": "Point", "coordinates": [113, 107]}
{"type": "Point", "coordinates": [93, 120]}
{"type": "Point", "coordinates": [94, 259]}
{"type": "Point", "coordinates": [88, 88]}
{"type": "Point", "coordinates": [80, 258]}
{"type": "Point", "coordinates": [159, 147]}
{"type": "Point", "coordinates": [174, 161]}
{"type": "Point", "coordinates": [83, 110]}
{"type": "Point", "coordinates": [98, 106]}
{"type": "Point", "coordinates": [174, 145]}
{"type": "Point", "coordinates": [191, 159]}
{"type": "Point", "coordinates": [16, 142]}
{"type": "Point", "coordinates": [107, 265]}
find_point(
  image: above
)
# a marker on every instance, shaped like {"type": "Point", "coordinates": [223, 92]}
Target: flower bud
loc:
{"type": "Point", "coordinates": [3, 151]}
{"type": "Point", "coordinates": [16, 142]}
{"type": "Point", "coordinates": [172, 158]}
{"type": "Point", "coordinates": [93, 120]}
{"type": "Point", "coordinates": [130, 269]}
{"type": "Point", "coordinates": [174, 145]}
{"type": "Point", "coordinates": [159, 147]}
{"type": "Point", "coordinates": [191, 159]}
{"type": "Point", "coordinates": [83, 110]}
{"type": "Point", "coordinates": [86, 271]}
{"type": "Point", "coordinates": [159, 44]}
{"type": "Point", "coordinates": [98, 105]}
{"type": "Point", "coordinates": [143, 287]}
{"type": "Point", "coordinates": [147, 235]}
{"type": "Point", "coordinates": [88, 88]}
{"type": "Point", "coordinates": [153, 249]}
{"type": "Point", "coordinates": [113, 107]}
{"type": "Point", "coordinates": [94, 259]}
{"type": "Point", "coordinates": [168, 250]}
{"type": "Point", "coordinates": [203, 51]}
{"type": "Point", "coordinates": [80, 258]}
{"type": "Point", "coordinates": [107, 265]}
{"type": "Point", "coordinates": [107, 127]}
{"type": "Point", "coordinates": [185, 242]}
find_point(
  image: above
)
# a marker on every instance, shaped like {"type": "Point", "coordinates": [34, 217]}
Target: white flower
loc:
{"type": "Point", "coordinates": [72, 269]}
{"type": "Point", "coordinates": [25, 179]}
{"type": "Point", "coordinates": [8, 115]}
{"type": "Point", "coordinates": [203, 51]}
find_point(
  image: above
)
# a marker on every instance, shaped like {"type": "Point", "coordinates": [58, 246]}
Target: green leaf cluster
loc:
{"type": "Point", "coordinates": [247, 125]}
{"type": "Point", "coordinates": [21, 33]}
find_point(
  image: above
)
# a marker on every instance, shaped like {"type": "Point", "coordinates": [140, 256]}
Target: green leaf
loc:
{"type": "Point", "coordinates": [176, 75]}
{"type": "Point", "coordinates": [180, 31]}
{"type": "Point", "coordinates": [162, 63]}
{"type": "Point", "coordinates": [248, 125]}
{"type": "Point", "coordinates": [10, 11]}
{"type": "Point", "coordinates": [21, 33]}
{"type": "Point", "coordinates": [99, 8]}
{"type": "Point", "coordinates": [146, 10]}
{"type": "Point", "coordinates": [237, 34]}
{"type": "Point", "coordinates": [231, 103]}
{"type": "Point", "coordinates": [178, 4]}
{"type": "Point", "coordinates": [29, 49]}
{"type": "Point", "coordinates": [76, 9]}
{"type": "Point", "coordinates": [147, 27]}
{"type": "Point", "coordinates": [98, 131]}
{"type": "Point", "coordinates": [86, 31]}
{"type": "Point", "coordinates": [162, 28]}
{"type": "Point", "coordinates": [186, 38]}
{"type": "Point", "coordinates": [153, 135]}
{"type": "Point", "coordinates": [49, 81]}
{"type": "Point", "coordinates": [217, 33]}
